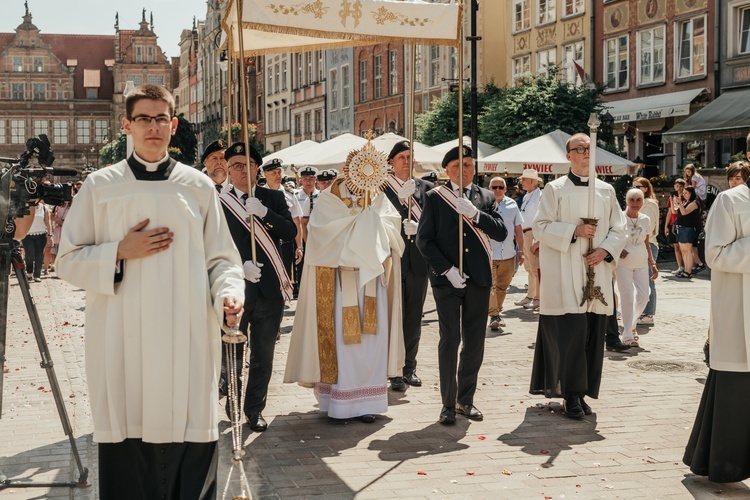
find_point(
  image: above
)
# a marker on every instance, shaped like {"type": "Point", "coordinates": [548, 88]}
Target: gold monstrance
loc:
{"type": "Point", "coordinates": [366, 171]}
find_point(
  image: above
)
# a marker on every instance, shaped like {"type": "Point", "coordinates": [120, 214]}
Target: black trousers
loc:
{"type": "Point", "coordinates": [462, 316]}
{"type": "Point", "coordinates": [414, 292]}
{"type": "Point", "coordinates": [33, 245]}
{"type": "Point", "coordinates": [178, 471]}
{"type": "Point", "coordinates": [261, 320]}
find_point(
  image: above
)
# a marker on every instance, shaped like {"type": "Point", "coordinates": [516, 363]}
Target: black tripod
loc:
{"type": "Point", "coordinates": [11, 256]}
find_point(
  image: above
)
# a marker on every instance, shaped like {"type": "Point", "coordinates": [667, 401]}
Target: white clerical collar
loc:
{"type": "Point", "coordinates": [583, 179]}
{"type": "Point", "coordinates": [150, 166]}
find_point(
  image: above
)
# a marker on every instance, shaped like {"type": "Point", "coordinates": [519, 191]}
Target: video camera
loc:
{"type": "Point", "coordinates": [20, 183]}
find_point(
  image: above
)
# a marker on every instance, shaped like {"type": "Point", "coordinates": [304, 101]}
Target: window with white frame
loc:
{"type": "Point", "coordinates": [156, 79]}
{"type": "Point", "coordinates": [572, 56]}
{"type": "Point", "coordinates": [284, 118]}
{"type": "Point", "coordinates": [38, 65]}
{"type": "Point", "coordinates": [454, 63]}
{"type": "Point", "coordinates": [743, 17]}
{"type": "Point", "coordinates": [60, 131]}
{"type": "Point", "coordinates": [362, 81]}
{"type": "Point", "coordinates": [138, 54]}
{"type": "Point", "coordinates": [377, 70]}
{"type": "Point", "coordinates": [393, 72]}
{"type": "Point", "coordinates": [83, 131]}
{"type": "Point", "coordinates": [546, 59]}
{"type": "Point", "coordinates": [616, 63]}
{"type": "Point", "coordinates": [691, 47]}
{"type": "Point", "coordinates": [318, 121]}
{"type": "Point", "coordinates": [136, 79]}
{"type": "Point", "coordinates": [40, 127]}
{"type": "Point", "coordinates": [345, 90]}
{"type": "Point", "coordinates": [297, 125]}
{"type": "Point", "coordinates": [269, 90]}
{"type": "Point", "coordinates": [17, 90]}
{"type": "Point", "coordinates": [573, 7]}
{"type": "Point", "coordinates": [521, 67]}
{"type": "Point", "coordinates": [309, 56]}
{"type": "Point", "coordinates": [277, 77]}
{"type": "Point", "coordinates": [150, 54]}
{"type": "Point", "coordinates": [521, 15]}
{"type": "Point", "coordinates": [40, 91]}
{"type": "Point", "coordinates": [321, 65]}
{"type": "Point", "coordinates": [547, 10]}
{"type": "Point", "coordinates": [17, 132]}
{"type": "Point", "coordinates": [298, 63]}
{"type": "Point", "coordinates": [307, 123]}
{"type": "Point", "coordinates": [18, 64]}
{"type": "Point", "coordinates": [270, 122]}
{"type": "Point", "coordinates": [101, 127]}
{"type": "Point", "coordinates": [284, 76]}
{"type": "Point", "coordinates": [277, 120]}
{"type": "Point", "coordinates": [2, 131]}
{"type": "Point", "coordinates": [334, 89]}
{"type": "Point", "coordinates": [434, 66]}
{"type": "Point", "coordinates": [651, 55]}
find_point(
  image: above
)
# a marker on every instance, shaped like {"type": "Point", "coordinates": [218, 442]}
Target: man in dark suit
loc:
{"type": "Point", "coordinates": [399, 189]}
{"type": "Point", "coordinates": [462, 299]}
{"type": "Point", "coordinates": [267, 284]}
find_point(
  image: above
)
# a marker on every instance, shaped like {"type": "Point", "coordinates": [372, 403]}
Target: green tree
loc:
{"type": "Point", "coordinates": [114, 150]}
{"type": "Point", "coordinates": [184, 139]}
{"type": "Point", "coordinates": [440, 123]}
{"type": "Point", "coordinates": [540, 104]}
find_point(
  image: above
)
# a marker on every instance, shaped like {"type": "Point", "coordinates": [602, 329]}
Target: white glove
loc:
{"type": "Point", "coordinates": [466, 208]}
{"type": "Point", "coordinates": [407, 189]}
{"type": "Point", "coordinates": [455, 278]}
{"type": "Point", "coordinates": [253, 206]}
{"type": "Point", "coordinates": [252, 272]}
{"type": "Point", "coordinates": [410, 227]}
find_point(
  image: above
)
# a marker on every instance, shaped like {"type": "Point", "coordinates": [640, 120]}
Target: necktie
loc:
{"type": "Point", "coordinates": [218, 188]}
{"type": "Point", "coordinates": [312, 201]}
{"type": "Point", "coordinates": [245, 197]}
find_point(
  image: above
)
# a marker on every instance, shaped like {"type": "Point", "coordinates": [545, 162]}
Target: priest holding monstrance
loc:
{"type": "Point", "coordinates": [581, 230]}
{"type": "Point", "coordinates": [347, 337]}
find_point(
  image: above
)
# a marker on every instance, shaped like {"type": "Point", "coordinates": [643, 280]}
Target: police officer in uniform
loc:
{"type": "Point", "coordinates": [399, 189]}
{"type": "Point", "coordinates": [307, 194]}
{"type": "Point", "coordinates": [462, 300]}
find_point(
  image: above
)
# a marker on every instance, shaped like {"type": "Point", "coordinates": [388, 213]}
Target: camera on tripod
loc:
{"type": "Point", "coordinates": [20, 182]}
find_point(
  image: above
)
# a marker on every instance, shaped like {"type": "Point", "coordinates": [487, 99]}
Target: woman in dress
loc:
{"type": "Point", "coordinates": [651, 210]}
{"type": "Point", "coordinates": [696, 180]}
{"type": "Point", "coordinates": [635, 267]}
{"type": "Point", "coordinates": [688, 224]}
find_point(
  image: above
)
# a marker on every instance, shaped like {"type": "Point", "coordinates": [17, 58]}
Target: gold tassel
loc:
{"type": "Point", "coordinates": [324, 295]}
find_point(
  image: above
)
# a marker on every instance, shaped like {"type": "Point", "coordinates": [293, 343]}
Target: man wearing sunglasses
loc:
{"type": "Point", "coordinates": [147, 240]}
{"type": "Point", "coordinates": [569, 351]}
{"type": "Point", "coordinates": [504, 252]}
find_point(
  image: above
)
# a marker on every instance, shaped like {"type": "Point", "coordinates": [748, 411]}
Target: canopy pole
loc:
{"type": "Point", "coordinates": [410, 135]}
{"type": "Point", "coordinates": [230, 84]}
{"type": "Point", "coordinates": [243, 101]}
{"type": "Point", "coordinates": [461, 144]}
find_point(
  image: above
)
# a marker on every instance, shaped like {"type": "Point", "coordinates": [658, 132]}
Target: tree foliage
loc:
{"type": "Point", "coordinates": [114, 151]}
{"type": "Point", "coordinates": [539, 104]}
{"type": "Point", "coordinates": [184, 139]}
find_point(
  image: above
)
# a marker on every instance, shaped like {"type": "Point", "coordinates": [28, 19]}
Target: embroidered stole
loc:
{"type": "Point", "coordinates": [450, 198]}
{"type": "Point", "coordinates": [395, 184]}
{"type": "Point", "coordinates": [262, 238]}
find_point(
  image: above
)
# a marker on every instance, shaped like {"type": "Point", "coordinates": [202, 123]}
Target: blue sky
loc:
{"type": "Point", "coordinates": [98, 17]}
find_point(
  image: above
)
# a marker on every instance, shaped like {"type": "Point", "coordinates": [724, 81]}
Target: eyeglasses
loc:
{"type": "Point", "coordinates": [580, 149]}
{"type": "Point", "coordinates": [145, 120]}
{"type": "Point", "coordinates": [497, 187]}
{"type": "Point", "coordinates": [237, 167]}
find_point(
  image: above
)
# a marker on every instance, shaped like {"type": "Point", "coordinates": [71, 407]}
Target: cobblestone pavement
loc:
{"type": "Point", "coordinates": [630, 448]}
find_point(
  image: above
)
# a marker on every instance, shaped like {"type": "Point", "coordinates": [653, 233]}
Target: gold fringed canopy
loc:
{"type": "Point", "coordinates": [278, 26]}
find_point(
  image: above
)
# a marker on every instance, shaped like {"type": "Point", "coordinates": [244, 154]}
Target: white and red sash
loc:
{"type": "Point", "coordinates": [262, 238]}
{"type": "Point", "coordinates": [395, 184]}
{"type": "Point", "coordinates": [450, 198]}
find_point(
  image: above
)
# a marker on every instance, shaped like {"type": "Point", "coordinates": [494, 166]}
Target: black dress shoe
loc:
{"type": "Point", "coordinates": [412, 379]}
{"type": "Point", "coordinates": [257, 422]}
{"type": "Point", "coordinates": [619, 347]}
{"type": "Point", "coordinates": [572, 407]}
{"type": "Point", "coordinates": [469, 411]}
{"type": "Point", "coordinates": [586, 408]}
{"type": "Point", "coordinates": [447, 416]}
{"type": "Point", "coordinates": [368, 418]}
{"type": "Point", "coordinates": [398, 384]}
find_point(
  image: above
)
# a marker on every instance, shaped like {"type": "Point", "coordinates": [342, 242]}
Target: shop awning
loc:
{"type": "Point", "coordinates": [653, 107]}
{"type": "Point", "coordinates": [727, 117]}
